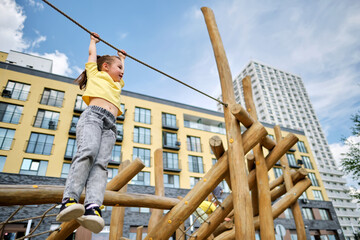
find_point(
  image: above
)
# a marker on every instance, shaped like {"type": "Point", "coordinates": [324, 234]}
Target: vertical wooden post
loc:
{"type": "Point", "coordinates": [265, 215]}
{"type": "Point", "coordinates": [295, 208]}
{"type": "Point", "coordinates": [156, 214]}
{"type": "Point", "coordinates": [238, 176]}
{"type": "Point", "coordinates": [139, 231]}
{"type": "Point", "coordinates": [118, 213]}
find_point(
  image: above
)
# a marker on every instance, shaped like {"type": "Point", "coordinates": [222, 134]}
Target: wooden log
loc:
{"type": "Point", "coordinates": [156, 214]}
{"type": "Point", "coordinates": [295, 208]}
{"type": "Point", "coordinates": [45, 194]}
{"type": "Point", "coordinates": [280, 180]}
{"type": "Point", "coordinates": [220, 213]}
{"type": "Point", "coordinates": [242, 200]}
{"type": "Point", "coordinates": [139, 231]}
{"type": "Point", "coordinates": [177, 215]}
{"type": "Point", "coordinates": [281, 190]}
{"type": "Point", "coordinates": [118, 213]}
{"type": "Point", "coordinates": [66, 229]}
{"type": "Point", "coordinates": [264, 198]}
{"type": "Point", "coordinates": [254, 190]}
{"type": "Point", "coordinates": [192, 200]}
{"type": "Point", "coordinates": [129, 172]}
{"type": "Point", "coordinates": [224, 226]}
{"type": "Point", "coordinates": [247, 120]}
{"type": "Point", "coordinates": [279, 207]}
{"type": "Point", "coordinates": [216, 146]}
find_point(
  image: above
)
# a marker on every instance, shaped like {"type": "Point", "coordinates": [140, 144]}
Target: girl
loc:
{"type": "Point", "coordinates": [95, 136]}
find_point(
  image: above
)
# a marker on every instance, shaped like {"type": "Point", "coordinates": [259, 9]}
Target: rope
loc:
{"type": "Point", "coordinates": [25, 219]}
{"type": "Point", "coordinates": [137, 60]}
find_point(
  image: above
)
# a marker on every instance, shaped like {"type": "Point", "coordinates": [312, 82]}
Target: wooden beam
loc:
{"type": "Point", "coordinates": [44, 194]}
{"type": "Point", "coordinates": [242, 200]}
{"type": "Point", "coordinates": [280, 206]}
{"type": "Point", "coordinates": [247, 120]}
{"type": "Point", "coordinates": [129, 172]}
{"type": "Point", "coordinates": [226, 207]}
{"type": "Point", "coordinates": [295, 208]}
{"type": "Point", "coordinates": [118, 213]}
{"type": "Point", "coordinates": [139, 231]}
{"type": "Point", "coordinates": [267, 231]}
{"type": "Point", "coordinates": [173, 219]}
{"type": "Point", "coordinates": [156, 214]}
{"type": "Point", "coordinates": [65, 231]}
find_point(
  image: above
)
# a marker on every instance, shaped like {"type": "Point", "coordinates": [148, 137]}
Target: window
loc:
{"type": "Point", "coordinates": [46, 119]}
{"type": "Point", "coordinates": [71, 148]}
{"type": "Point", "coordinates": [196, 164]}
{"type": "Point", "coordinates": [122, 116]}
{"type": "Point", "coordinates": [116, 155]}
{"type": "Point", "coordinates": [142, 115]}
{"type": "Point", "coordinates": [142, 135]}
{"type": "Point", "coordinates": [112, 172]}
{"type": "Point", "coordinates": [15, 90]}
{"type": "Point", "coordinates": [139, 210]}
{"type": "Point", "coordinates": [301, 147]}
{"type": "Point", "coordinates": [303, 196]}
{"type": "Point", "coordinates": [143, 154]}
{"type": "Point", "coordinates": [2, 162]}
{"type": "Point", "coordinates": [313, 179]}
{"type": "Point", "coordinates": [193, 181]}
{"type": "Point", "coordinates": [40, 144]}
{"type": "Point", "coordinates": [52, 97]}
{"type": "Point", "coordinates": [307, 162]}
{"type": "Point", "coordinates": [171, 181]}
{"type": "Point", "coordinates": [74, 122]}
{"type": "Point", "coordinates": [33, 167]}
{"type": "Point", "coordinates": [119, 132]}
{"type": "Point", "coordinates": [170, 161]}
{"type": "Point", "coordinates": [193, 144]}
{"type": "Point", "coordinates": [80, 105]}
{"type": "Point", "coordinates": [6, 138]}
{"type": "Point", "coordinates": [65, 170]}
{"type": "Point", "coordinates": [318, 195]}
{"type": "Point", "coordinates": [170, 140]}
{"type": "Point", "coordinates": [169, 120]}
{"type": "Point", "coordinates": [291, 159]}
{"type": "Point", "coordinates": [278, 172]}
{"type": "Point", "coordinates": [307, 213]}
{"type": "Point", "coordinates": [142, 178]}
{"type": "Point", "coordinates": [324, 214]}
{"type": "Point", "coordinates": [10, 113]}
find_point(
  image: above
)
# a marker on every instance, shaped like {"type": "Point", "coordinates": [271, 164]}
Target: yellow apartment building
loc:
{"type": "Point", "coordinates": [39, 111]}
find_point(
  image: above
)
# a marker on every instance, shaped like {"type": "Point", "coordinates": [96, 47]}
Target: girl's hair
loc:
{"type": "Point", "coordinates": [82, 79]}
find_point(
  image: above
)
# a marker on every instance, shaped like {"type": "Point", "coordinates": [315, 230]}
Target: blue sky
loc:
{"type": "Point", "coordinates": [317, 40]}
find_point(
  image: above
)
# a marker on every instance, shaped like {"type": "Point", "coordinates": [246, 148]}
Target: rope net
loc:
{"type": "Point", "coordinates": [31, 233]}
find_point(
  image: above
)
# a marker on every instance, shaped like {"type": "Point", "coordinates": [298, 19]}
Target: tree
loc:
{"type": "Point", "coordinates": [351, 160]}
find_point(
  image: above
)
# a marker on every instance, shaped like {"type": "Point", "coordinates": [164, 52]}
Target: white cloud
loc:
{"type": "Point", "coordinates": [36, 4]}
{"type": "Point", "coordinates": [38, 40]}
{"type": "Point", "coordinates": [12, 20]}
{"type": "Point", "coordinates": [61, 65]}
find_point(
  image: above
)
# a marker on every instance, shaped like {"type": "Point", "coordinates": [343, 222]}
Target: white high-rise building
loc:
{"type": "Point", "coordinates": [280, 98]}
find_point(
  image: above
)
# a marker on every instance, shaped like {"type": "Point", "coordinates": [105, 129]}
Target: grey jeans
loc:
{"type": "Point", "coordinates": [95, 137]}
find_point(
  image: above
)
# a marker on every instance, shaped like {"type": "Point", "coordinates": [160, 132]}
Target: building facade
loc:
{"type": "Point", "coordinates": [38, 115]}
{"type": "Point", "coordinates": [281, 98]}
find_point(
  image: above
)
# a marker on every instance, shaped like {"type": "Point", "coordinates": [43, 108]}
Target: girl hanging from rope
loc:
{"type": "Point", "coordinates": [95, 136]}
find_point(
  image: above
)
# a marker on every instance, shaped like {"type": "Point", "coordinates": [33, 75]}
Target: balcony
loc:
{"type": "Point", "coordinates": [170, 167]}
{"type": "Point", "coordinates": [170, 125]}
{"type": "Point", "coordinates": [72, 129]}
{"type": "Point", "coordinates": [172, 146]}
{"type": "Point", "coordinates": [119, 136]}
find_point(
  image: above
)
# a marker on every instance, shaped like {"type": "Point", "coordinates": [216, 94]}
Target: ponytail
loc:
{"type": "Point", "coordinates": [81, 80]}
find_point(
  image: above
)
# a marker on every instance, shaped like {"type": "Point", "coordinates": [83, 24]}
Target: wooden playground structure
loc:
{"type": "Point", "coordinates": [244, 166]}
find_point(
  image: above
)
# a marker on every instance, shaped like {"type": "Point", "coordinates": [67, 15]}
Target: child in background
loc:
{"type": "Point", "coordinates": [95, 136]}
